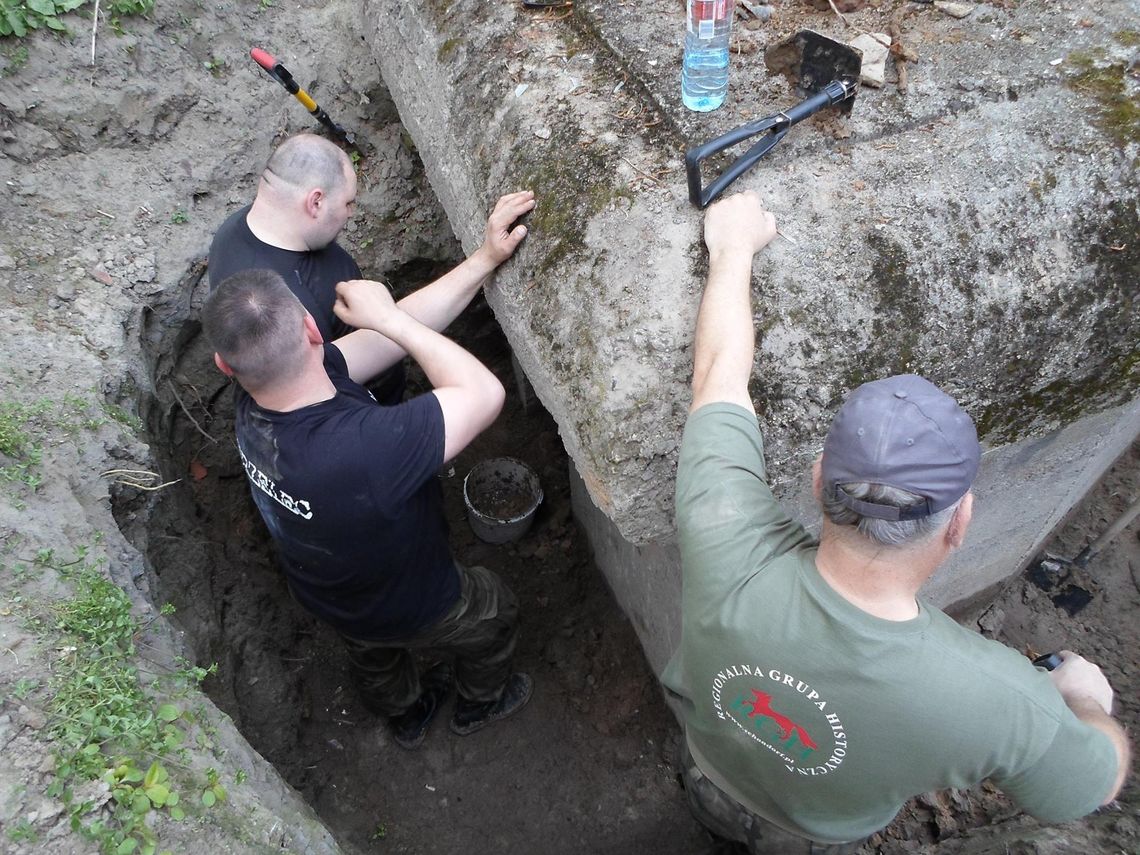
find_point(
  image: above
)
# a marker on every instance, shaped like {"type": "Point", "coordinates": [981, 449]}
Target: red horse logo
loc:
{"type": "Point", "coordinates": [762, 705]}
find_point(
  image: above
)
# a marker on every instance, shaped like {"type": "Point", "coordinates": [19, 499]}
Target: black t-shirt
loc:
{"type": "Point", "coordinates": [349, 492]}
{"type": "Point", "coordinates": [310, 274]}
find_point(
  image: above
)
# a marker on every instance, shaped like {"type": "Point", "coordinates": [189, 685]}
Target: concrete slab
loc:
{"type": "Point", "coordinates": [980, 229]}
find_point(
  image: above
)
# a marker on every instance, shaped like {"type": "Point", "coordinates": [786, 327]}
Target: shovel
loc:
{"type": "Point", "coordinates": [823, 66]}
{"type": "Point", "coordinates": [1067, 578]}
{"type": "Point", "coordinates": [281, 74]}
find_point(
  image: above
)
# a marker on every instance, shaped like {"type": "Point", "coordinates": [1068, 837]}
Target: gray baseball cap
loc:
{"type": "Point", "coordinates": [902, 432]}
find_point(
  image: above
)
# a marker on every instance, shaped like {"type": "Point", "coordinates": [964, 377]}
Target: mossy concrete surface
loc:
{"type": "Point", "coordinates": [979, 228]}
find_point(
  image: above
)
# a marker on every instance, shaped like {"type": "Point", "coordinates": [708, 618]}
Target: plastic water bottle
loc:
{"type": "Point", "coordinates": [704, 71]}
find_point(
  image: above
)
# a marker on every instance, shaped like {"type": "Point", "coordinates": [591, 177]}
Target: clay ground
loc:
{"type": "Point", "coordinates": [116, 178]}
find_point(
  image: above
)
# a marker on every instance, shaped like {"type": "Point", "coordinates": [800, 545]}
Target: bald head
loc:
{"type": "Point", "coordinates": [306, 161]}
{"type": "Point", "coordinates": [306, 196]}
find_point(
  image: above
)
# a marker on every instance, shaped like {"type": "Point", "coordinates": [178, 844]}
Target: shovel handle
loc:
{"type": "Point", "coordinates": [775, 127]}
{"type": "Point", "coordinates": [281, 74]}
{"type": "Point", "coordinates": [1049, 661]}
{"type": "Point", "coordinates": [263, 58]}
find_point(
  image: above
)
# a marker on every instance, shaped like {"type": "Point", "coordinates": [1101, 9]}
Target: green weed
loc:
{"type": "Point", "coordinates": [117, 414]}
{"type": "Point", "coordinates": [180, 217]}
{"type": "Point", "coordinates": [103, 725]}
{"type": "Point", "coordinates": [26, 428]}
{"type": "Point", "coordinates": [22, 832]}
{"type": "Point", "coordinates": [19, 17]}
{"type": "Point", "coordinates": [17, 58]}
{"type": "Point", "coordinates": [24, 687]}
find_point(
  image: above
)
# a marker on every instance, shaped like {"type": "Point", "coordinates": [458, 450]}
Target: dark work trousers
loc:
{"type": "Point", "coordinates": [725, 817]}
{"type": "Point", "coordinates": [479, 633]}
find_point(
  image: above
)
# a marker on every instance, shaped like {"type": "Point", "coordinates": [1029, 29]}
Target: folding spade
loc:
{"type": "Point", "coordinates": [828, 68]}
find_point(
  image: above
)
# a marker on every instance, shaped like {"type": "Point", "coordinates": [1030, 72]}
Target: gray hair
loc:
{"type": "Point", "coordinates": [886, 532]}
{"type": "Point", "coordinates": [305, 161]}
{"type": "Point", "coordinates": [253, 321]}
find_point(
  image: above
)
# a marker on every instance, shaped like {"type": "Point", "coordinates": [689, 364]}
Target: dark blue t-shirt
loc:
{"type": "Point", "coordinates": [349, 492]}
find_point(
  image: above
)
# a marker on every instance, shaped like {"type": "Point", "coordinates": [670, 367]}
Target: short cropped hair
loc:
{"type": "Point", "coordinates": [306, 161]}
{"type": "Point", "coordinates": [886, 532]}
{"type": "Point", "coordinates": [252, 320]}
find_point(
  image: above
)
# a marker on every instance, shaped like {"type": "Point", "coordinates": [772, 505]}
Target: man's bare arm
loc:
{"type": "Point", "coordinates": [469, 394]}
{"type": "Point", "coordinates": [437, 304]}
{"type": "Point", "coordinates": [736, 229]}
{"type": "Point", "coordinates": [1088, 694]}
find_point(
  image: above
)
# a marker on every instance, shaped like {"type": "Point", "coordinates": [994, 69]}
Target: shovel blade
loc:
{"type": "Point", "coordinates": [811, 61]}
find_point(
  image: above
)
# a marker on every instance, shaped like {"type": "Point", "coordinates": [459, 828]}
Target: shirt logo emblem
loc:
{"type": "Point", "coordinates": [783, 714]}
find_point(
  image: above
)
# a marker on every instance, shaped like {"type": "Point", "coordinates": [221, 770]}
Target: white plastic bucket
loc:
{"type": "Point", "coordinates": [502, 495]}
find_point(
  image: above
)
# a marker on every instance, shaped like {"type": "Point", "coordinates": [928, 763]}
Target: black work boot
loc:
{"type": "Point", "coordinates": [471, 716]}
{"type": "Point", "coordinates": [411, 726]}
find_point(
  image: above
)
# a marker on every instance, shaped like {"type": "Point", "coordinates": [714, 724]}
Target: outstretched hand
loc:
{"type": "Point", "coordinates": [364, 304]}
{"type": "Point", "coordinates": [738, 223]}
{"type": "Point", "coordinates": [1076, 678]}
{"type": "Point", "coordinates": [500, 240]}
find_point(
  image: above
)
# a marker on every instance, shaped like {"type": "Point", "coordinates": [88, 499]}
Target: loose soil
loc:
{"type": "Point", "coordinates": [116, 178]}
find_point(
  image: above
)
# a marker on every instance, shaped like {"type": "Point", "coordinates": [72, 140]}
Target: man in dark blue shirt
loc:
{"type": "Point", "coordinates": [349, 492]}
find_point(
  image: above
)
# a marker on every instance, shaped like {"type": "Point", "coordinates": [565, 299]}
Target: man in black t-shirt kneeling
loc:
{"type": "Point", "coordinates": [349, 492]}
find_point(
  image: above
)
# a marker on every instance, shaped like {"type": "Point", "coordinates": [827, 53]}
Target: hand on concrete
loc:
{"type": "Point", "coordinates": [1078, 679]}
{"type": "Point", "coordinates": [738, 224]}
{"type": "Point", "coordinates": [364, 304]}
{"type": "Point", "coordinates": [500, 240]}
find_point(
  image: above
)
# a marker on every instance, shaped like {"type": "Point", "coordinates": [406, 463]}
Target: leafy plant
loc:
{"type": "Point", "coordinates": [22, 832]}
{"type": "Point", "coordinates": [103, 722]}
{"type": "Point", "coordinates": [19, 17]}
{"type": "Point", "coordinates": [214, 791]}
{"type": "Point", "coordinates": [24, 687]}
{"type": "Point", "coordinates": [179, 217]}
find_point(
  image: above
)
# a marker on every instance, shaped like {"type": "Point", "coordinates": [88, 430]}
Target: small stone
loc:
{"type": "Point", "coordinates": [992, 620]}
{"type": "Point", "coordinates": [954, 10]}
{"type": "Point", "coordinates": [32, 718]}
{"type": "Point", "coordinates": [543, 133]}
{"type": "Point", "coordinates": [758, 11]}
{"type": "Point", "coordinates": [520, 89]}
{"type": "Point", "coordinates": [100, 273]}
{"type": "Point", "coordinates": [875, 50]}
{"type": "Point", "coordinates": [6, 261]}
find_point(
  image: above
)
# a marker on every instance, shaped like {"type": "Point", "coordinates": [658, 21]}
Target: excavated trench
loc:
{"type": "Point", "coordinates": [281, 675]}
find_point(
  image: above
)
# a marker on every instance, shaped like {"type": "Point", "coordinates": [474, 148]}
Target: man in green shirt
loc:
{"type": "Point", "coordinates": [818, 692]}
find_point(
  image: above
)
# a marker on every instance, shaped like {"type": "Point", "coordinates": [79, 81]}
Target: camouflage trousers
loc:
{"type": "Point", "coordinates": [479, 634]}
{"type": "Point", "coordinates": [725, 817]}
